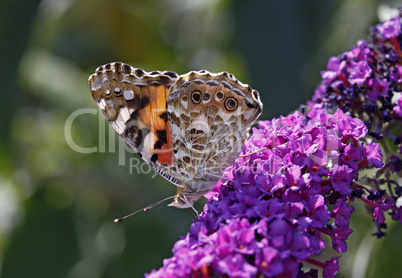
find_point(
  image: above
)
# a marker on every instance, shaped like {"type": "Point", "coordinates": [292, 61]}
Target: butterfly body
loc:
{"type": "Point", "coordinates": [189, 128]}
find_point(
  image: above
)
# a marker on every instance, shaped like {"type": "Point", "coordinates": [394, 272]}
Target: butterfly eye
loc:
{"type": "Point", "coordinates": [196, 97]}
{"type": "Point", "coordinates": [206, 96]}
{"type": "Point", "coordinates": [219, 95]}
{"type": "Point", "coordinates": [231, 104]}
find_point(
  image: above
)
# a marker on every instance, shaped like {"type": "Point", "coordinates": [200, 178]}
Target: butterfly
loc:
{"type": "Point", "coordinates": [188, 127]}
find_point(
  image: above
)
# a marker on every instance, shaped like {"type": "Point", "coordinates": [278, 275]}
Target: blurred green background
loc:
{"type": "Point", "coordinates": [64, 175]}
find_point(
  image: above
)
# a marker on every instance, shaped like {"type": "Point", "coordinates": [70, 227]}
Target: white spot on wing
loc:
{"type": "Point", "coordinates": [149, 142]}
{"type": "Point", "coordinates": [120, 121]}
{"type": "Point", "coordinates": [200, 123]}
{"type": "Point", "coordinates": [125, 115]}
{"type": "Point", "coordinates": [119, 129]}
{"type": "Point", "coordinates": [128, 94]}
{"type": "Point", "coordinates": [184, 103]}
{"type": "Point", "coordinates": [107, 92]}
{"type": "Point", "coordinates": [102, 104]}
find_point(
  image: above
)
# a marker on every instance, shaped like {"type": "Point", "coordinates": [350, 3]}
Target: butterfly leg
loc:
{"type": "Point", "coordinates": [192, 213]}
{"type": "Point", "coordinates": [184, 199]}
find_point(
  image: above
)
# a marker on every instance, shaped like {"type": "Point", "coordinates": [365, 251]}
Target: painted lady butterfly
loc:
{"type": "Point", "coordinates": [189, 128]}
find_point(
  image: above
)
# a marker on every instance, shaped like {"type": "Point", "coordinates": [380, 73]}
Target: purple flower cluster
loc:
{"type": "Point", "coordinates": [284, 202]}
{"type": "Point", "coordinates": [366, 82]}
{"type": "Point", "coordinates": [291, 192]}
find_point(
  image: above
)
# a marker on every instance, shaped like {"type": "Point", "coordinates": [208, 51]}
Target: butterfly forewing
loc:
{"type": "Point", "coordinates": [134, 102]}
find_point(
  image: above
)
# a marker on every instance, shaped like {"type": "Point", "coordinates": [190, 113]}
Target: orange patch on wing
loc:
{"type": "Point", "coordinates": [151, 117]}
{"type": "Point", "coordinates": [160, 107]}
{"type": "Point", "coordinates": [165, 156]}
{"type": "Point", "coordinates": [145, 113]}
{"type": "Point", "coordinates": [165, 153]}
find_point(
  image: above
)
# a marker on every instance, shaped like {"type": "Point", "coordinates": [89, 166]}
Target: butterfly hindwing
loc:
{"type": "Point", "coordinates": [210, 115]}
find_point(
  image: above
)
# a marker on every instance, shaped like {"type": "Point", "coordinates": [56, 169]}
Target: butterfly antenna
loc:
{"type": "Point", "coordinates": [117, 220]}
{"type": "Point", "coordinates": [217, 176]}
